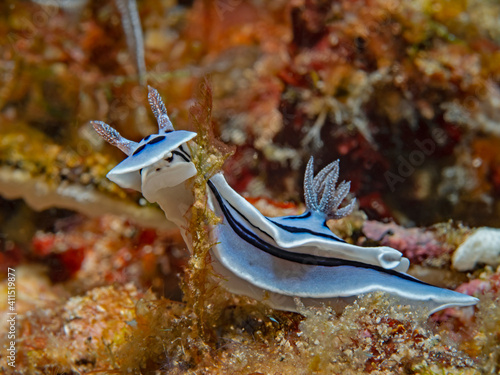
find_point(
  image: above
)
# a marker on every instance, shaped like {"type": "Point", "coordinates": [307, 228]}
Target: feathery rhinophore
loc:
{"type": "Point", "coordinates": [114, 138]}
{"type": "Point", "coordinates": [321, 193]}
{"type": "Point", "coordinates": [159, 110]}
{"type": "Point", "coordinates": [272, 259]}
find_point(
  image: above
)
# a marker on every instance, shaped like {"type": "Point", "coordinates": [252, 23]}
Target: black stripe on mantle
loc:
{"type": "Point", "coordinates": [303, 230]}
{"type": "Point", "coordinates": [301, 258]}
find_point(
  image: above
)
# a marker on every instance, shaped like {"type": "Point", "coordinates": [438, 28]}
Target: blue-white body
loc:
{"type": "Point", "coordinates": [271, 259]}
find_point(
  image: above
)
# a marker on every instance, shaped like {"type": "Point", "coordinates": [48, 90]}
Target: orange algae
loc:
{"type": "Point", "coordinates": [488, 340]}
{"type": "Point", "coordinates": [208, 157]}
{"type": "Point", "coordinates": [377, 335]}
{"type": "Point", "coordinates": [80, 335]}
{"type": "Point", "coordinates": [373, 335]}
{"type": "Point", "coordinates": [241, 336]}
{"type": "Point", "coordinates": [183, 336]}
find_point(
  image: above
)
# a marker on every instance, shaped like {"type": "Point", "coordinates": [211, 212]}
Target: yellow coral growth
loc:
{"type": "Point", "coordinates": [208, 157]}
{"type": "Point", "coordinates": [376, 335]}
{"type": "Point", "coordinates": [27, 150]}
{"type": "Point", "coordinates": [81, 335]}
{"type": "Point", "coordinates": [487, 341]}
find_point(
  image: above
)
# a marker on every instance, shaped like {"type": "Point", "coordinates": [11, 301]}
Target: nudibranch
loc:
{"type": "Point", "coordinates": [271, 259]}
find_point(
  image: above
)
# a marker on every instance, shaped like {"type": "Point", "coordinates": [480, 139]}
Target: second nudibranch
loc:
{"type": "Point", "coordinates": [271, 259]}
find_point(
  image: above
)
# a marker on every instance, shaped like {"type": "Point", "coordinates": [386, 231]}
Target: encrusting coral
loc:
{"type": "Point", "coordinates": [119, 329]}
{"type": "Point", "coordinates": [47, 175]}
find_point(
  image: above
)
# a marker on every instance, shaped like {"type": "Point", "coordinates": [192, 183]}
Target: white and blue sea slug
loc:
{"type": "Point", "coordinates": [272, 259]}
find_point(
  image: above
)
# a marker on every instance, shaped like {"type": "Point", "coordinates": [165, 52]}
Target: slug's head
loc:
{"type": "Point", "coordinates": [158, 161]}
